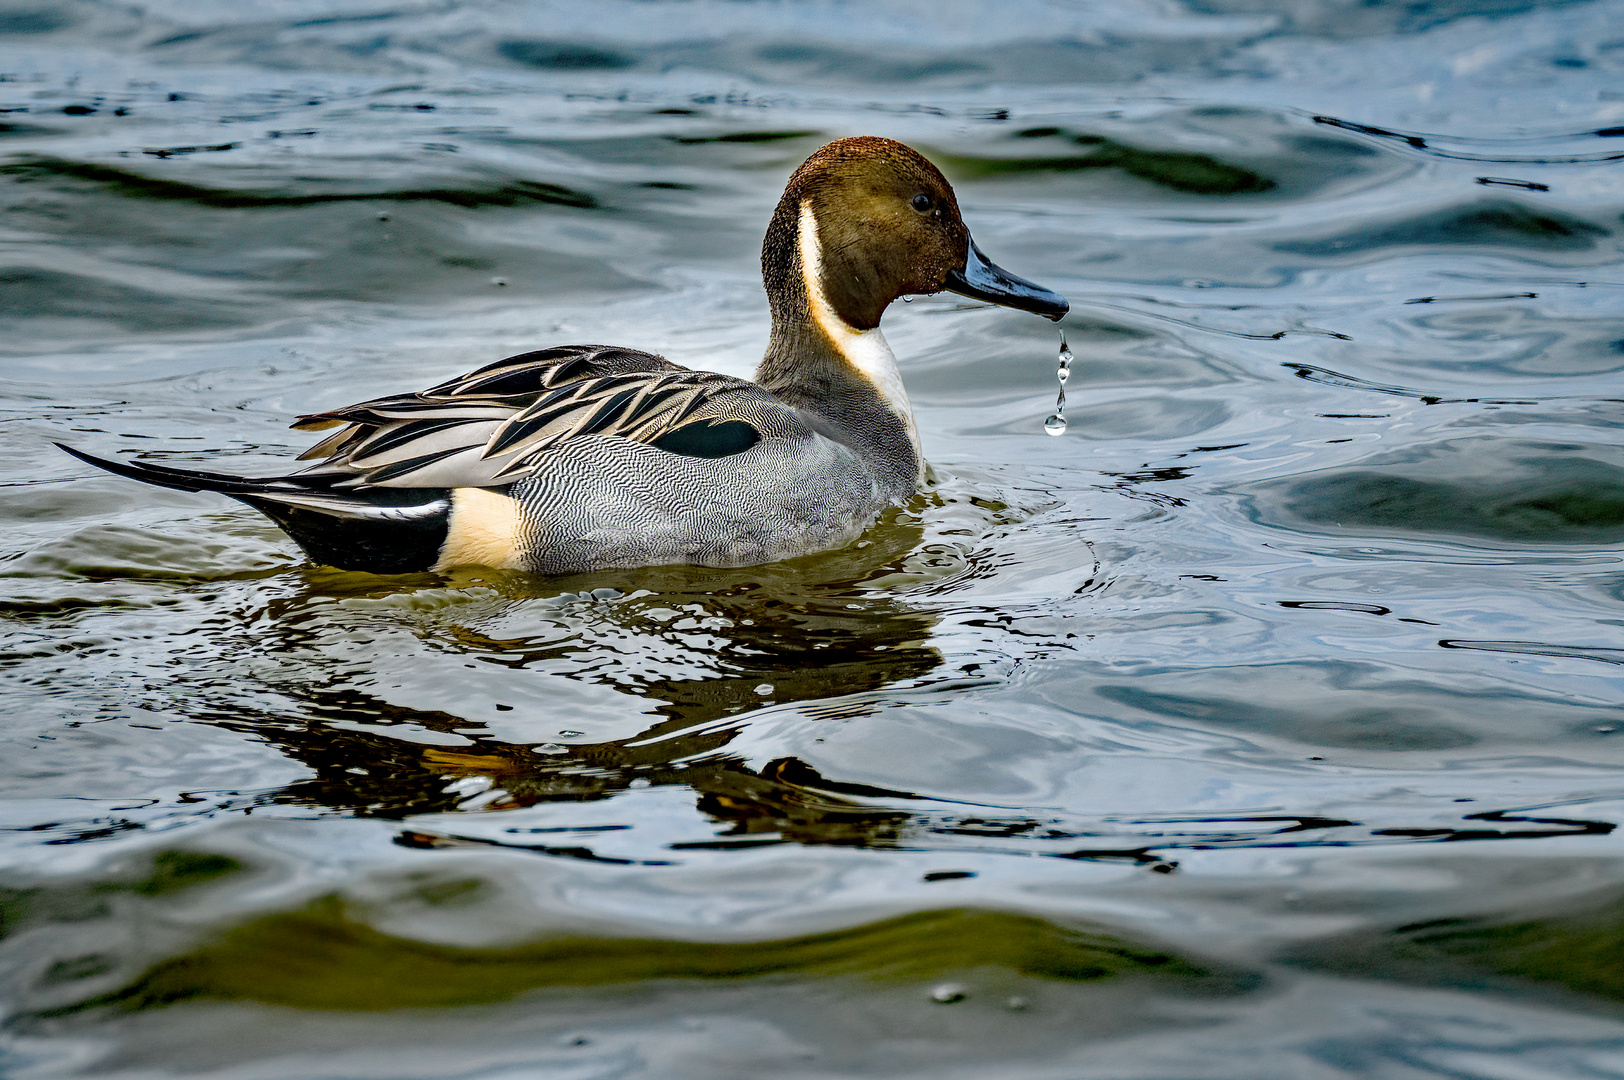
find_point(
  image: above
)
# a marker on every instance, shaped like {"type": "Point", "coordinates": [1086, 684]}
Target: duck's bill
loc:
{"type": "Point", "coordinates": [984, 279]}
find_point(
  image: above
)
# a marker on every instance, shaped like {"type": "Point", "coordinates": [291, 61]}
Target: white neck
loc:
{"type": "Point", "coordinates": [865, 350]}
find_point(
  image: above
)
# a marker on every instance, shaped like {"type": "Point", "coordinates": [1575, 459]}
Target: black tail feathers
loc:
{"type": "Point", "coordinates": [379, 530]}
{"type": "Point", "coordinates": [182, 479]}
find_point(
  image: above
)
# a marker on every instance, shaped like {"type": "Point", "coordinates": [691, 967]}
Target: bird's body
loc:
{"type": "Point", "coordinates": [590, 457]}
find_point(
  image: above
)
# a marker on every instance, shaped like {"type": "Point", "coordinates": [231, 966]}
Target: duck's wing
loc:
{"type": "Point", "coordinates": [490, 427]}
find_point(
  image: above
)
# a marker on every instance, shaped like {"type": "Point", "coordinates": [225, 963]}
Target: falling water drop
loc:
{"type": "Point", "coordinates": [1056, 423]}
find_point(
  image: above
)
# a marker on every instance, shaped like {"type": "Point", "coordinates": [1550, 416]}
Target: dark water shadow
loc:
{"type": "Point", "coordinates": [1339, 19]}
{"type": "Point", "coordinates": [1196, 174]}
{"type": "Point", "coordinates": [1569, 949]}
{"type": "Point", "coordinates": [1541, 234]}
{"type": "Point", "coordinates": [129, 183]}
{"type": "Point", "coordinates": [1501, 490]}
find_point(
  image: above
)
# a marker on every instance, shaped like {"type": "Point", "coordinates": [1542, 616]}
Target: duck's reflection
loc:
{"type": "Point", "coordinates": [812, 630]}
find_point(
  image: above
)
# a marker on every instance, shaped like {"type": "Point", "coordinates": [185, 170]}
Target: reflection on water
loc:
{"type": "Point", "coordinates": [1267, 724]}
{"type": "Point", "coordinates": [363, 969]}
{"type": "Point", "coordinates": [690, 645]}
{"type": "Point", "coordinates": [1010, 977]}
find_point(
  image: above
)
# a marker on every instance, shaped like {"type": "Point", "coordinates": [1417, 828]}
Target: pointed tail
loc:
{"type": "Point", "coordinates": [376, 529]}
{"type": "Point", "coordinates": [164, 476]}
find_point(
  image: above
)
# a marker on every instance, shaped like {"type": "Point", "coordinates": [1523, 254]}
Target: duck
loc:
{"type": "Point", "coordinates": [592, 457]}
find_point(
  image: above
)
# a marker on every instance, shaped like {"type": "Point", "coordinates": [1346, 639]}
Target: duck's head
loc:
{"type": "Point", "coordinates": [866, 220]}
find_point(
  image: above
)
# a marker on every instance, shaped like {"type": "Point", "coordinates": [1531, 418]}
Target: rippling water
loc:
{"type": "Point", "coordinates": [1147, 751]}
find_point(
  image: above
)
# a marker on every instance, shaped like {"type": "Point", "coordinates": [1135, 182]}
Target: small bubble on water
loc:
{"type": "Point", "coordinates": [568, 734]}
{"type": "Point", "coordinates": [499, 281]}
{"type": "Point", "coordinates": [1055, 425]}
{"type": "Point", "coordinates": [764, 689]}
{"type": "Point", "coordinates": [947, 993]}
{"type": "Point", "coordinates": [1016, 1004]}
{"type": "Point", "coordinates": [907, 299]}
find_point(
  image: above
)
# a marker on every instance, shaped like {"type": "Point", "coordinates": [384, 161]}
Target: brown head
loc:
{"type": "Point", "coordinates": [862, 222]}
{"type": "Point", "coordinates": [886, 225]}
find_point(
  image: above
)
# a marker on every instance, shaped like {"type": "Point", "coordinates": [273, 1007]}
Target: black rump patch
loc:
{"type": "Point", "coordinates": [704, 439]}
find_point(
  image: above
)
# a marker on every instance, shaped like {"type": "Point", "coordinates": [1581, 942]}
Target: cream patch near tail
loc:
{"type": "Point", "coordinates": [483, 530]}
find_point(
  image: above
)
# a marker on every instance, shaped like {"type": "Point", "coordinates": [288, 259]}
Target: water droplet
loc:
{"type": "Point", "coordinates": [907, 299]}
{"type": "Point", "coordinates": [1016, 1003]}
{"type": "Point", "coordinates": [947, 993]}
{"type": "Point", "coordinates": [551, 748]}
{"type": "Point", "coordinates": [764, 689]}
{"type": "Point", "coordinates": [1056, 423]}
{"type": "Point", "coordinates": [568, 734]}
{"type": "Point", "coordinates": [499, 281]}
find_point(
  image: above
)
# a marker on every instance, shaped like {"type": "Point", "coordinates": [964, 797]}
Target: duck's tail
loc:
{"type": "Point", "coordinates": [380, 530]}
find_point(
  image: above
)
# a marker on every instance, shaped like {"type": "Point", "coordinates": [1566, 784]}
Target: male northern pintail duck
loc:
{"type": "Point", "coordinates": [586, 457]}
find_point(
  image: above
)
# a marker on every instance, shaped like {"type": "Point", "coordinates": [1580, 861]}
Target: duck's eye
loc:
{"type": "Point", "coordinates": [922, 203]}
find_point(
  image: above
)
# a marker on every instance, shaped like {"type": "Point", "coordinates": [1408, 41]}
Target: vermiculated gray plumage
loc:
{"type": "Point", "coordinates": [583, 438]}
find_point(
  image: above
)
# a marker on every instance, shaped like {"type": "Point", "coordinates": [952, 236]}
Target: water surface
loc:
{"type": "Point", "coordinates": [1265, 724]}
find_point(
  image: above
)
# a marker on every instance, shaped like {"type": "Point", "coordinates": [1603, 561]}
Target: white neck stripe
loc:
{"type": "Point", "coordinates": [865, 350]}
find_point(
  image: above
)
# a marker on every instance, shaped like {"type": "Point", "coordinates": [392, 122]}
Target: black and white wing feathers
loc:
{"type": "Point", "coordinates": [491, 426]}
